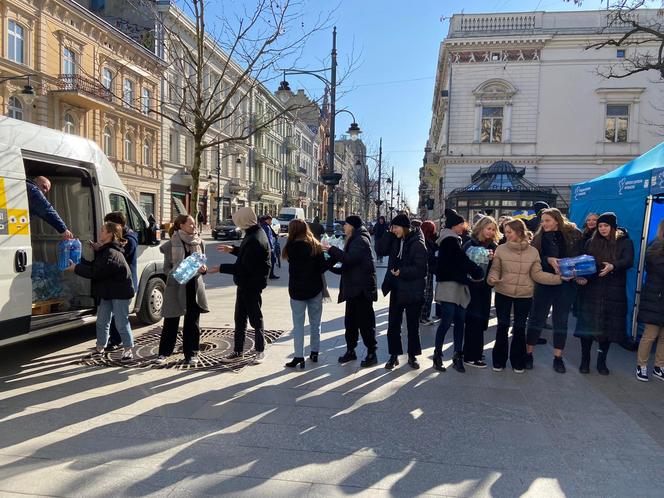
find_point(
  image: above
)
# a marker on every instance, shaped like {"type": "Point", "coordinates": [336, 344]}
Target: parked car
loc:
{"type": "Point", "coordinates": [226, 230]}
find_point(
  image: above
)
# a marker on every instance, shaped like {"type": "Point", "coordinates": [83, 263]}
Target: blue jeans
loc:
{"type": "Point", "coordinates": [118, 309]}
{"type": "Point", "coordinates": [298, 308]}
{"type": "Point", "coordinates": [451, 312]}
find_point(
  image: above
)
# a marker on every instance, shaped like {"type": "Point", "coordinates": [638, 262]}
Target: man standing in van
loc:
{"type": "Point", "coordinates": [39, 206]}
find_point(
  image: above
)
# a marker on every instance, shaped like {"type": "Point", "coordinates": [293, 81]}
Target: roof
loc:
{"type": "Point", "coordinates": [501, 176]}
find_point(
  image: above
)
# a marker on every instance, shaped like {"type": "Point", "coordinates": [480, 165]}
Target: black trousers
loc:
{"type": "Point", "coordinates": [360, 319]}
{"type": "Point", "coordinates": [395, 319]}
{"type": "Point", "coordinates": [248, 304]}
{"type": "Point", "coordinates": [558, 297]}
{"type": "Point", "coordinates": [473, 337]}
{"type": "Point", "coordinates": [587, 344]}
{"type": "Point", "coordinates": [190, 330]}
{"type": "Point", "coordinates": [517, 350]}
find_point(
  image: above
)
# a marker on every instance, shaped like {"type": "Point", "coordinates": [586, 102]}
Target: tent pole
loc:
{"type": "Point", "coordinates": [642, 261]}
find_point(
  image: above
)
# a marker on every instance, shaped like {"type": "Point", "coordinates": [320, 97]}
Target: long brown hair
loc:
{"type": "Point", "coordinates": [517, 225]}
{"type": "Point", "coordinates": [604, 248]}
{"type": "Point", "coordinates": [115, 229]}
{"type": "Point", "coordinates": [180, 220]}
{"type": "Point", "coordinates": [566, 227]}
{"type": "Point", "coordinates": [298, 230]}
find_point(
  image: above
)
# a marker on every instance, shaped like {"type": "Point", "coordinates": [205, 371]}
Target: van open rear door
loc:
{"type": "Point", "coordinates": [15, 246]}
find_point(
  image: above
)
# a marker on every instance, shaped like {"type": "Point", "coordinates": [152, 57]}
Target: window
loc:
{"type": "Point", "coordinates": [617, 122]}
{"type": "Point", "coordinates": [129, 147]}
{"type": "Point", "coordinates": [145, 101]}
{"type": "Point", "coordinates": [146, 202]}
{"type": "Point", "coordinates": [492, 125]}
{"type": "Point", "coordinates": [147, 152]}
{"type": "Point", "coordinates": [70, 124]}
{"type": "Point", "coordinates": [189, 151]}
{"type": "Point", "coordinates": [68, 61]}
{"type": "Point", "coordinates": [128, 92]}
{"type": "Point", "coordinates": [174, 147]}
{"type": "Point", "coordinates": [620, 53]}
{"type": "Point", "coordinates": [107, 78]}
{"type": "Point", "coordinates": [15, 42]}
{"type": "Point", "coordinates": [108, 141]}
{"type": "Point", "coordinates": [14, 108]}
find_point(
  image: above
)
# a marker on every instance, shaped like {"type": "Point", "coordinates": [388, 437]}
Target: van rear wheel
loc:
{"type": "Point", "coordinates": [153, 301]}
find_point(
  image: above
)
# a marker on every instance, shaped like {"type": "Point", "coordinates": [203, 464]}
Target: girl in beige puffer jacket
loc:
{"type": "Point", "coordinates": [515, 269]}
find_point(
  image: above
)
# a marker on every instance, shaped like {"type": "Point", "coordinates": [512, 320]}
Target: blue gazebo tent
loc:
{"type": "Point", "coordinates": [635, 192]}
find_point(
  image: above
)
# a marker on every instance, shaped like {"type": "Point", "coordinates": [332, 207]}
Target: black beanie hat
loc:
{"type": "Point", "coordinates": [608, 218]}
{"type": "Point", "coordinates": [401, 220]}
{"type": "Point", "coordinates": [539, 205]}
{"type": "Point", "coordinates": [452, 218]}
{"type": "Point", "coordinates": [354, 221]}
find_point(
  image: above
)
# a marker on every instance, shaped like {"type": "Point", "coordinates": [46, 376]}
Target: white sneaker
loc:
{"type": "Point", "coordinates": [161, 359]}
{"type": "Point", "coordinates": [518, 370]}
{"type": "Point", "coordinates": [658, 373]}
{"type": "Point", "coordinates": [127, 355]}
{"type": "Point", "coordinates": [260, 356]}
{"type": "Point", "coordinates": [642, 373]}
{"type": "Point", "coordinates": [498, 369]}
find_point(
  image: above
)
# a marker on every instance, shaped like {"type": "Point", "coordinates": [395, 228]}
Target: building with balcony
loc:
{"type": "Point", "coordinates": [91, 80]}
{"type": "Point", "coordinates": [522, 88]}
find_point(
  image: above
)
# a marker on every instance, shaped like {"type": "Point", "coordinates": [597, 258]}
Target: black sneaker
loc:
{"type": "Point", "coordinates": [642, 374]}
{"type": "Point", "coordinates": [528, 365]}
{"type": "Point", "coordinates": [658, 373]}
{"type": "Point", "coordinates": [559, 364]}
{"type": "Point", "coordinates": [348, 356]}
{"type": "Point", "coordinates": [457, 363]}
{"type": "Point", "coordinates": [392, 362]}
{"type": "Point", "coordinates": [370, 360]}
{"type": "Point", "coordinates": [233, 357]}
{"type": "Point", "coordinates": [438, 362]}
{"type": "Point", "coordinates": [95, 354]}
{"type": "Point", "coordinates": [112, 347]}
{"type": "Point", "coordinates": [475, 364]}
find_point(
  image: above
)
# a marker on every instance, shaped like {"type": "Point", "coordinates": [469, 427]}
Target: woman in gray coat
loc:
{"type": "Point", "coordinates": [182, 299]}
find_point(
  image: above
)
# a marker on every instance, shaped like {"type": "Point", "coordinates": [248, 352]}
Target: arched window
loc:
{"type": "Point", "coordinates": [129, 147]}
{"type": "Point", "coordinates": [14, 108]}
{"type": "Point", "coordinates": [70, 124]}
{"type": "Point", "coordinates": [493, 111]}
{"type": "Point", "coordinates": [108, 141]}
{"type": "Point", "coordinates": [147, 152]}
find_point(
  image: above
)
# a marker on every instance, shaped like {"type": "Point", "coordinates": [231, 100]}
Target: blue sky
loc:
{"type": "Point", "coordinates": [396, 43]}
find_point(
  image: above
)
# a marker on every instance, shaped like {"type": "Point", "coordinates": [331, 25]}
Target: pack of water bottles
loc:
{"type": "Point", "coordinates": [188, 267]}
{"type": "Point", "coordinates": [480, 256]}
{"type": "Point", "coordinates": [46, 283]}
{"type": "Point", "coordinates": [68, 250]}
{"type": "Point", "coordinates": [577, 267]}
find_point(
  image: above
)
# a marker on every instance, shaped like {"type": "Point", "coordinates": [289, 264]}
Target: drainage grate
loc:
{"type": "Point", "coordinates": [214, 345]}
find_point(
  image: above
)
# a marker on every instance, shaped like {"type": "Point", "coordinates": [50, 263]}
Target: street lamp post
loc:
{"type": "Point", "coordinates": [218, 184]}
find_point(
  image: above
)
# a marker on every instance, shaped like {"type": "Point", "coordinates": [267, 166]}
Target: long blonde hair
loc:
{"type": "Point", "coordinates": [299, 230]}
{"type": "Point", "coordinates": [478, 229]}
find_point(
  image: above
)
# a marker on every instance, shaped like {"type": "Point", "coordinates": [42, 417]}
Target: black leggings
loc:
{"type": "Point", "coordinates": [587, 344]}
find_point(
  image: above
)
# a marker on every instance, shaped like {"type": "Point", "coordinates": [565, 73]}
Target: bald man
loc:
{"type": "Point", "coordinates": [37, 188]}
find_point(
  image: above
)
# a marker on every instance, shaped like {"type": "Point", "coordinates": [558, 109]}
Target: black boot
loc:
{"type": "Point", "coordinates": [295, 362]}
{"type": "Point", "coordinates": [457, 362]}
{"type": "Point", "coordinates": [412, 361]}
{"type": "Point", "coordinates": [313, 356]}
{"type": "Point", "coordinates": [370, 360]}
{"type": "Point", "coordinates": [392, 362]}
{"type": "Point", "coordinates": [601, 363]}
{"type": "Point", "coordinates": [559, 364]}
{"type": "Point", "coordinates": [585, 365]}
{"type": "Point", "coordinates": [529, 361]}
{"type": "Point", "coordinates": [348, 356]}
{"type": "Point", "coordinates": [438, 361]}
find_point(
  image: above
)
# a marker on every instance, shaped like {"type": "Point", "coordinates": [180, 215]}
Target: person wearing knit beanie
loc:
{"type": "Point", "coordinates": [401, 220]}
{"type": "Point", "coordinates": [609, 218]}
{"type": "Point", "coordinates": [354, 221]}
{"type": "Point", "coordinates": [452, 218]}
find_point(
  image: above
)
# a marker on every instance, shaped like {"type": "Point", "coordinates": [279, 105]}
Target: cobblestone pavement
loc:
{"type": "Point", "coordinates": [329, 430]}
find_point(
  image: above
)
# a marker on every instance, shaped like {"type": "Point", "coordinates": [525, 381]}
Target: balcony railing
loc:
{"type": "Point", "coordinates": [78, 83]}
{"type": "Point", "coordinates": [510, 22]}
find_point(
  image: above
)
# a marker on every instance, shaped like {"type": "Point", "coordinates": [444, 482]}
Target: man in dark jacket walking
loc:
{"type": "Point", "coordinates": [37, 188]}
{"type": "Point", "coordinates": [379, 231]}
{"type": "Point", "coordinates": [250, 273]}
{"type": "Point", "coordinates": [357, 289]}
{"type": "Point", "coordinates": [129, 251]}
{"type": "Point", "coordinates": [316, 228]}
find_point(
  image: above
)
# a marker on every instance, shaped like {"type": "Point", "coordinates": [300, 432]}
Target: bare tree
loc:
{"type": "Point", "coordinates": [626, 27]}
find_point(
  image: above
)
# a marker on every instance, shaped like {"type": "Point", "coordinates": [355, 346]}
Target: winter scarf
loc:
{"type": "Point", "coordinates": [182, 243]}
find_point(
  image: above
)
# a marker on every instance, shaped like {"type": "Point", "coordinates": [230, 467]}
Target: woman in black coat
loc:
{"type": "Point", "coordinates": [603, 312]}
{"type": "Point", "coordinates": [485, 234]}
{"type": "Point", "coordinates": [651, 310]}
{"type": "Point", "coordinates": [358, 289]}
{"type": "Point", "coordinates": [112, 285]}
{"type": "Point", "coordinates": [404, 281]}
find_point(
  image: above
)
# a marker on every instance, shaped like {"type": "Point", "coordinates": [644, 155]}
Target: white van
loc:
{"type": "Point", "coordinates": [287, 214]}
{"type": "Point", "coordinates": [85, 187]}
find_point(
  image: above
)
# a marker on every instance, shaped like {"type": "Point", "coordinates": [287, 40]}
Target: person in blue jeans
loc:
{"type": "Point", "coordinates": [452, 277]}
{"type": "Point", "coordinates": [306, 287]}
{"type": "Point", "coordinates": [112, 285]}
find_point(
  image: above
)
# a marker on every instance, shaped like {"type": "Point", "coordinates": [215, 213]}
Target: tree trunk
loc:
{"type": "Point", "coordinates": [196, 177]}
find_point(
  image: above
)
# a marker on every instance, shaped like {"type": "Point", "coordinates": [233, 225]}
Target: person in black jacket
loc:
{"type": "Point", "coordinates": [358, 289]}
{"type": "Point", "coordinates": [306, 287]}
{"type": "Point", "coordinates": [651, 309]}
{"type": "Point", "coordinates": [556, 238]}
{"type": "Point", "coordinates": [379, 231]}
{"type": "Point", "coordinates": [603, 312]}
{"type": "Point", "coordinates": [453, 268]}
{"type": "Point", "coordinates": [112, 285]}
{"type": "Point", "coordinates": [250, 273]}
{"type": "Point", "coordinates": [405, 280]}
{"type": "Point", "coordinates": [429, 232]}
{"type": "Point", "coordinates": [534, 223]}
{"type": "Point", "coordinates": [485, 235]}
{"type": "Point", "coordinates": [316, 228]}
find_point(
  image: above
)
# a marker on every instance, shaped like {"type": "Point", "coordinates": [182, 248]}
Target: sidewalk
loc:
{"type": "Point", "coordinates": [328, 430]}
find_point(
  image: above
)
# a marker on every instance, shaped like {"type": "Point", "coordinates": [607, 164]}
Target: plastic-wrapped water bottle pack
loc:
{"type": "Point", "coordinates": [46, 282]}
{"type": "Point", "coordinates": [188, 267]}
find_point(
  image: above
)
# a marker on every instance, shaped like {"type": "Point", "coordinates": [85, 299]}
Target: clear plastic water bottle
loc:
{"type": "Point", "coordinates": [75, 248]}
{"type": "Point", "coordinates": [63, 254]}
{"type": "Point", "coordinates": [188, 268]}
